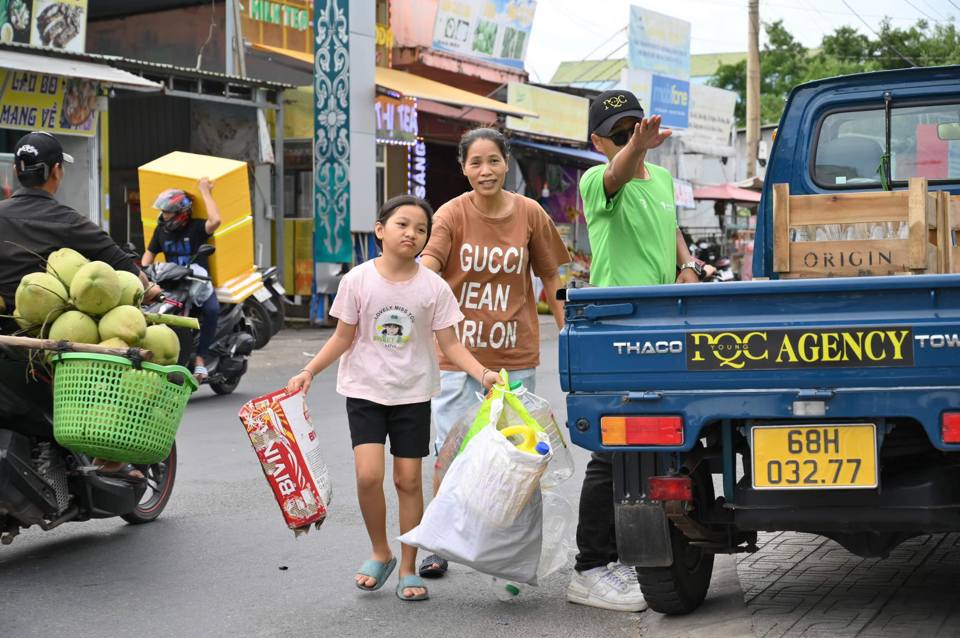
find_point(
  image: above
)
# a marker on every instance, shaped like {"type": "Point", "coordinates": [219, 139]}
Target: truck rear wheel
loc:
{"type": "Point", "coordinates": [680, 588]}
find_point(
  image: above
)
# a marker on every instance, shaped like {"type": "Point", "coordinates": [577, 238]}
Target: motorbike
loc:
{"type": "Point", "coordinates": [44, 484]}
{"type": "Point", "coordinates": [271, 282]}
{"type": "Point", "coordinates": [226, 362]}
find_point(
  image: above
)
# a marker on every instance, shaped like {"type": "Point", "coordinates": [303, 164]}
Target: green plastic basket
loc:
{"type": "Point", "coordinates": [104, 407]}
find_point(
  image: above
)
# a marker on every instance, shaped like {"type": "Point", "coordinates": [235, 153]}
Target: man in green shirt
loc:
{"type": "Point", "coordinates": [635, 241]}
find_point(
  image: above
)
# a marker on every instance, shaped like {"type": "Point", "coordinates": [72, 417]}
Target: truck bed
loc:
{"type": "Point", "coordinates": [853, 347]}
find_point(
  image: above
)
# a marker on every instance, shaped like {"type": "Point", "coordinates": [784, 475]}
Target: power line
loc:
{"type": "Point", "coordinates": [867, 24]}
{"type": "Point", "coordinates": [597, 64]}
{"type": "Point", "coordinates": [954, 4]}
{"type": "Point", "coordinates": [921, 11]}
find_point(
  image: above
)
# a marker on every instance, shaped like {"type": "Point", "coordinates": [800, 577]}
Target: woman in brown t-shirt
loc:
{"type": "Point", "coordinates": [485, 243]}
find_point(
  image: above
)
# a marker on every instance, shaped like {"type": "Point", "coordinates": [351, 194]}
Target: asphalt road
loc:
{"type": "Point", "coordinates": [221, 562]}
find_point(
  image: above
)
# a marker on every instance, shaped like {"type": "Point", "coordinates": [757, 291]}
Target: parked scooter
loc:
{"type": "Point", "coordinates": [271, 282]}
{"type": "Point", "coordinates": [226, 362]}
{"type": "Point", "coordinates": [44, 484]}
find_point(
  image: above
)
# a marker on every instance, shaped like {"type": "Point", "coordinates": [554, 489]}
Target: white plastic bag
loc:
{"type": "Point", "coordinates": [488, 514]}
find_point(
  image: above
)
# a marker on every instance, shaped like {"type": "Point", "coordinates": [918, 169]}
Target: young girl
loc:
{"type": "Point", "coordinates": [388, 379]}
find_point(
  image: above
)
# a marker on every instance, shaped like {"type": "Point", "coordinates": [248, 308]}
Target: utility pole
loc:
{"type": "Point", "coordinates": [753, 86]}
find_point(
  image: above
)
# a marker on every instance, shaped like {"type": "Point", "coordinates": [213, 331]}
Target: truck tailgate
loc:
{"type": "Point", "coordinates": [750, 349]}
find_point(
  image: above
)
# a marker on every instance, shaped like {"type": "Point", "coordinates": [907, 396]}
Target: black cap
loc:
{"type": "Point", "coordinates": [610, 107]}
{"type": "Point", "coordinates": [39, 147]}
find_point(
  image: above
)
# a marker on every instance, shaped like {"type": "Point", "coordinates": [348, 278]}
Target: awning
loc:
{"type": "Point", "coordinates": [589, 157]}
{"type": "Point", "coordinates": [727, 192]}
{"type": "Point", "coordinates": [67, 67]}
{"type": "Point", "coordinates": [426, 89]}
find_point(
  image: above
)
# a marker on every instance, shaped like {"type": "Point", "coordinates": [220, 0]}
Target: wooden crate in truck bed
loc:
{"type": "Point", "coordinates": [865, 233]}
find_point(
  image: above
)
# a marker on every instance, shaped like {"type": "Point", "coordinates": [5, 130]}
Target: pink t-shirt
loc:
{"type": "Point", "coordinates": [393, 360]}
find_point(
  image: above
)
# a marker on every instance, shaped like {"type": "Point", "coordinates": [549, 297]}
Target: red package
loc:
{"type": "Point", "coordinates": [287, 446]}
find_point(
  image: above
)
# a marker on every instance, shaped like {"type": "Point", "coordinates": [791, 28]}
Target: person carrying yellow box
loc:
{"type": "Point", "coordinates": [178, 237]}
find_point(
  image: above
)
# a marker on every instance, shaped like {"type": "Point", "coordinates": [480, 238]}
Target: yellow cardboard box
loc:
{"type": "Point", "coordinates": [231, 185]}
{"type": "Point", "coordinates": [231, 192]}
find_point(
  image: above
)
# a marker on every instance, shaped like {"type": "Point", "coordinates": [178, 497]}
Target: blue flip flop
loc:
{"type": "Point", "coordinates": [410, 581]}
{"type": "Point", "coordinates": [376, 569]}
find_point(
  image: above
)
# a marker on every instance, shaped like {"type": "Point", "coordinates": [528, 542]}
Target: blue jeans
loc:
{"type": "Point", "coordinates": [209, 318]}
{"type": "Point", "coordinates": [458, 392]}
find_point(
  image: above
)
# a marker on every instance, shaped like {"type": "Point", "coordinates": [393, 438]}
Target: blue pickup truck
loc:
{"type": "Point", "coordinates": [827, 405]}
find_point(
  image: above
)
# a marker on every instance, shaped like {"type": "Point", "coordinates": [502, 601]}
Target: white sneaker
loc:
{"type": "Point", "coordinates": [601, 587]}
{"type": "Point", "coordinates": [626, 573]}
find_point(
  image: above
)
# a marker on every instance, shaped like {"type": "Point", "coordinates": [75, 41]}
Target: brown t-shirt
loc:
{"type": "Point", "coordinates": [487, 263]}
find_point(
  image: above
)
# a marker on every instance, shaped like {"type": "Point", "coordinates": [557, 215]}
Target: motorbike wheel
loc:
{"type": "Point", "coordinates": [260, 322]}
{"type": "Point", "coordinates": [160, 477]}
{"type": "Point", "coordinates": [226, 386]}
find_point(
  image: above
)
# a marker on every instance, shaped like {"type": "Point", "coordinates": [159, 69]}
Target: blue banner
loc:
{"type": "Point", "coordinates": [331, 126]}
{"type": "Point", "coordinates": [670, 99]}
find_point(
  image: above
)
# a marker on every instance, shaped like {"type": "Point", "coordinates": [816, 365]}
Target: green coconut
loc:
{"type": "Point", "coordinates": [75, 326]}
{"type": "Point", "coordinates": [164, 343]}
{"type": "Point", "coordinates": [95, 288]}
{"type": "Point", "coordinates": [64, 264]}
{"type": "Point", "coordinates": [40, 297]}
{"type": "Point", "coordinates": [124, 322]}
{"type": "Point", "coordinates": [29, 327]}
{"type": "Point", "coordinates": [114, 342]}
{"type": "Point", "coordinates": [131, 288]}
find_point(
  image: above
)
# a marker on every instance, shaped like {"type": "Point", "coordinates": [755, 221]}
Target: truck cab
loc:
{"type": "Point", "coordinates": [828, 405]}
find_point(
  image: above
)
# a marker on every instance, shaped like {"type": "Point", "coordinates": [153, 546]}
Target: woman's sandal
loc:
{"type": "Point", "coordinates": [433, 566]}
{"type": "Point", "coordinates": [412, 581]}
{"type": "Point", "coordinates": [201, 373]}
{"type": "Point", "coordinates": [376, 569]}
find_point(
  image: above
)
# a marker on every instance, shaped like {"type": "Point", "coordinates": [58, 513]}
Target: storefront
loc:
{"type": "Point", "coordinates": [69, 97]}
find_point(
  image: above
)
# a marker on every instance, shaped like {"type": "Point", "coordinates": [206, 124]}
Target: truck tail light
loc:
{"type": "Point", "coordinates": [950, 427]}
{"type": "Point", "coordinates": [641, 430]}
{"type": "Point", "coordinates": [670, 488]}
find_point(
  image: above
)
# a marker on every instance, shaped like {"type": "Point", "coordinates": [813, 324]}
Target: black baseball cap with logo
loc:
{"type": "Point", "coordinates": [610, 107]}
{"type": "Point", "coordinates": [36, 154]}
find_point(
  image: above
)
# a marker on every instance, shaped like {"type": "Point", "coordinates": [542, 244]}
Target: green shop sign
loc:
{"type": "Point", "coordinates": [279, 13]}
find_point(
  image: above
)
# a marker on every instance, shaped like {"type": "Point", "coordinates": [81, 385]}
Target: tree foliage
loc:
{"type": "Point", "coordinates": [784, 62]}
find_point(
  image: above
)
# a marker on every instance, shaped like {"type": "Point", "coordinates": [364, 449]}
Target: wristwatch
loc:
{"type": "Point", "coordinates": [695, 266]}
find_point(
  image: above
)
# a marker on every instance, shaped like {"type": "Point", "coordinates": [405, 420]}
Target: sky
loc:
{"type": "Point", "coordinates": [566, 30]}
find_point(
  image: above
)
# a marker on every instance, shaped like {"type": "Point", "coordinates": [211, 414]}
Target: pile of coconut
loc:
{"type": "Point", "coordinates": [85, 301]}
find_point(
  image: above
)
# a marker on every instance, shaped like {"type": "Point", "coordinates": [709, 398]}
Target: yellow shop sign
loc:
{"type": "Point", "coordinates": [31, 101]}
{"type": "Point", "coordinates": [785, 349]}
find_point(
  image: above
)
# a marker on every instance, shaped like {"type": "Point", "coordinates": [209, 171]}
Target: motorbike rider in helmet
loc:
{"type": "Point", "coordinates": [178, 237]}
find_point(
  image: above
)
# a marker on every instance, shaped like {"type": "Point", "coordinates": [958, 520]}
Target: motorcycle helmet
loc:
{"type": "Point", "coordinates": [173, 200]}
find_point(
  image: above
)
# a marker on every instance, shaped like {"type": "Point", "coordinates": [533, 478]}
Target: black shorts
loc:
{"type": "Point", "coordinates": [408, 426]}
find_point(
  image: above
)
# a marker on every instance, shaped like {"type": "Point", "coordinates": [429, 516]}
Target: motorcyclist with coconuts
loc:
{"type": "Point", "coordinates": [178, 237]}
{"type": "Point", "coordinates": [33, 224]}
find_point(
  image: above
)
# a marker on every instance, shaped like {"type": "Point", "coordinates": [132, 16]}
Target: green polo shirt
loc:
{"type": "Point", "coordinates": [633, 236]}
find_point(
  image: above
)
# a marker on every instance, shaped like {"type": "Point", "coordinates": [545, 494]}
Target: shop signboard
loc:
{"type": "Point", "coordinates": [670, 99]}
{"type": "Point", "coordinates": [712, 120]}
{"type": "Point", "coordinates": [396, 120]}
{"type": "Point", "coordinates": [562, 115]}
{"type": "Point", "coordinates": [31, 101]}
{"type": "Point", "coordinates": [683, 194]}
{"type": "Point", "coordinates": [282, 24]}
{"type": "Point", "coordinates": [492, 30]}
{"type": "Point", "coordinates": [58, 24]}
{"type": "Point", "coordinates": [659, 43]}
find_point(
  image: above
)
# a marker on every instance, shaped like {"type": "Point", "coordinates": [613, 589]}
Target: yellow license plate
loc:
{"type": "Point", "coordinates": [814, 457]}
